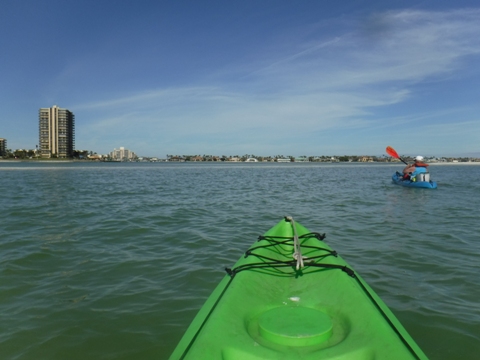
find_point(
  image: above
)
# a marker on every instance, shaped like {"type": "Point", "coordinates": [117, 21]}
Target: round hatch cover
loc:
{"type": "Point", "coordinates": [295, 326]}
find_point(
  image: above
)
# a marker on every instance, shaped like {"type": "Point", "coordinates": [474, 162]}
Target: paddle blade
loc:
{"type": "Point", "coordinates": [391, 151]}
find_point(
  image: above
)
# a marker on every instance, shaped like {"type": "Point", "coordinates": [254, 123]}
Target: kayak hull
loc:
{"type": "Point", "coordinates": [265, 308]}
{"type": "Point", "coordinates": [398, 180]}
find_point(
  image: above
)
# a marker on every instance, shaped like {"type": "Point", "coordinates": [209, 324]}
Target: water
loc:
{"type": "Point", "coordinates": [112, 261]}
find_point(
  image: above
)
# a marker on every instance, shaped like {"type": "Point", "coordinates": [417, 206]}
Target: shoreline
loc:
{"type": "Point", "coordinates": [456, 163]}
{"type": "Point", "coordinates": [233, 162]}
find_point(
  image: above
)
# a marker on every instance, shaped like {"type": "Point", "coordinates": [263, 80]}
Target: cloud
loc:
{"type": "Point", "coordinates": [408, 47]}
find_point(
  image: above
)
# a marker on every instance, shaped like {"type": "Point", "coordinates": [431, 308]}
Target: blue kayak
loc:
{"type": "Point", "coordinates": [419, 181]}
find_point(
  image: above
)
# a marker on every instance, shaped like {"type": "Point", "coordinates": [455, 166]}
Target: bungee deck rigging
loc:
{"type": "Point", "coordinates": [295, 264]}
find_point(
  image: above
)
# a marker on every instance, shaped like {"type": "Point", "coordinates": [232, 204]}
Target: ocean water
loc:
{"type": "Point", "coordinates": [113, 260]}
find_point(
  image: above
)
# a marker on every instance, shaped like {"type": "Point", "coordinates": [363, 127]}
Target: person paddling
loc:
{"type": "Point", "coordinates": [417, 167]}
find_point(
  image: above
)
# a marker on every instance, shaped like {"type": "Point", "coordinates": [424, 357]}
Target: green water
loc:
{"type": "Point", "coordinates": [112, 261]}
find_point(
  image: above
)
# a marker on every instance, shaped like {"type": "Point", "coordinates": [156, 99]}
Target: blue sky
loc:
{"type": "Point", "coordinates": [245, 77]}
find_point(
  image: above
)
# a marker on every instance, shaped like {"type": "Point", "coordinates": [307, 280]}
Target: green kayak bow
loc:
{"type": "Point", "coordinates": [292, 297]}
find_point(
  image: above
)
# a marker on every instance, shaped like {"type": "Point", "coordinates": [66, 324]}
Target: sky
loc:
{"type": "Point", "coordinates": [259, 77]}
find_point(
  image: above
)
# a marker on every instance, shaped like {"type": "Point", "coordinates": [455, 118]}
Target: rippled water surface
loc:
{"type": "Point", "coordinates": [112, 261]}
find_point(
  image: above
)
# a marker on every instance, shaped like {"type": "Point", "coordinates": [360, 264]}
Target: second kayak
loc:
{"type": "Point", "coordinates": [397, 178]}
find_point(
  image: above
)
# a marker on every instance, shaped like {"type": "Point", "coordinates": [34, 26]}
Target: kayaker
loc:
{"type": "Point", "coordinates": [417, 167]}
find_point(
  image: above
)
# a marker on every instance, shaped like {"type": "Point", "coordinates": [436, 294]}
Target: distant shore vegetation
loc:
{"type": "Point", "coordinates": [85, 155]}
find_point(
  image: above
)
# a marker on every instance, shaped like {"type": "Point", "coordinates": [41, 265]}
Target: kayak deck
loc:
{"type": "Point", "coordinates": [271, 306]}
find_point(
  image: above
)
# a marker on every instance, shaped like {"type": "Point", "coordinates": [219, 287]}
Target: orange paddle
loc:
{"type": "Point", "coordinates": [391, 151]}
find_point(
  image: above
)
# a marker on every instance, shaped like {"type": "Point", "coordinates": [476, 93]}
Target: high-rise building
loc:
{"type": "Point", "coordinates": [122, 154]}
{"type": "Point", "coordinates": [56, 132]}
{"type": "Point", "coordinates": [3, 147]}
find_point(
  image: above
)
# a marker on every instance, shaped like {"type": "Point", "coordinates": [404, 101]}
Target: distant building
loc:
{"type": "Point", "coordinates": [56, 132]}
{"type": "Point", "coordinates": [122, 154]}
{"type": "Point", "coordinates": [3, 147]}
{"type": "Point", "coordinates": [94, 157]}
{"type": "Point", "coordinates": [302, 159]}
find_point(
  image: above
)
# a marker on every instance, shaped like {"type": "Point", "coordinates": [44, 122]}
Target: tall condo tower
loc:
{"type": "Point", "coordinates": [3, 146]}
{"type": "Point", "coordinates": [56, 132]}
